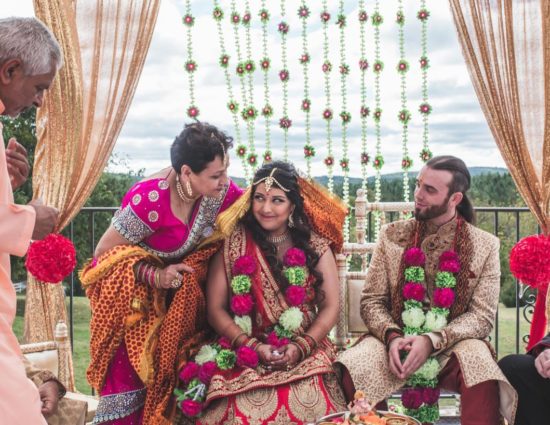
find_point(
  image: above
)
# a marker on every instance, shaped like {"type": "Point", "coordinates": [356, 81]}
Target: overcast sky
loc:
{"type": "Point", "coordinates": [158, 111]}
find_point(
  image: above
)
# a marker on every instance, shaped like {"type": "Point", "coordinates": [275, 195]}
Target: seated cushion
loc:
{"type": "Point", "coordinates": [355, 322]}
{"type": "Point", "coordinates": [47, 359]}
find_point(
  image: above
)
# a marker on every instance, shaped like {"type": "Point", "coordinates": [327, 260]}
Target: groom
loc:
{"type": "Point", "coordinates": [436, 308]}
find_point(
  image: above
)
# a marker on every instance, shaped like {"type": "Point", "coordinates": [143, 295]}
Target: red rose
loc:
{"type": "Point", "coordinates": [207, 371]}
{"type": "Point", "coordinates": [189, 372]}
{"type": "Point", "coordinates": [294, 257]}
{"type": "Point", "coordinates": [295, 295]}
{"type": "Point", "coordinates": [411, 398]}
{"type": "Point", "coordinates": [430, 395]}
{"type": "Point", "coordinates": [444, 297]}
{"type": "Point", "coordinates": [247, 357]}
{"type": "Point", "coordinates": [241, 305]}
{"type": "Point", "coordinates": [191, 408]}
{"type": "Point", "coordinates": [244, 265]}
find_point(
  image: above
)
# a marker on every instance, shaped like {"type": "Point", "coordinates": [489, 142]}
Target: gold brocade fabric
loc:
{"type": "Point", "coordinates": [506, 45]}
{"type": "Point", "coordinates": [82, 115]}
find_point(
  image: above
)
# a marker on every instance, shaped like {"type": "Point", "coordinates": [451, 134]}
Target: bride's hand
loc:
{"type": "Point", "coordinates": [286, 358]}
{"type": "Point", "coordinates": [265, 355]}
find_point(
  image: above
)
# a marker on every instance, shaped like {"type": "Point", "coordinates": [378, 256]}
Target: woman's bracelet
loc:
{"type": "Point", "coordinates": [312, 340]}
{"type": "Point", "coordinates": [252, 343]}
{"type": "Point", "coordinates": [236, 338]}
{"type": "Point", "coordinates": [304, 345]}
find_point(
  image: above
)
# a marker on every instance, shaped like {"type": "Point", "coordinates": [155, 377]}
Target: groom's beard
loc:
{"type": "Point", "coordinates": [432, 211]}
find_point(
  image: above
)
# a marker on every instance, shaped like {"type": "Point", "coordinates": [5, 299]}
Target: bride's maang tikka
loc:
{"type": "Point", "coordinates": [269, 181]}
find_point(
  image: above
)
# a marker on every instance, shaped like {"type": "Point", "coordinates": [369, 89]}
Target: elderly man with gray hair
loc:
{"type": "Point", "coordinates": [29, 59]}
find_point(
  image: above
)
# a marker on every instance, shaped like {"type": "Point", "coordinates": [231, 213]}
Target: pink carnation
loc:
{"type": "Point", "coordinates": [415, 257]}
{"type": "Point", "coordinates": [295, 257]}
{"type": "Point", "coordinates": [244, 265]}
{"type": "Point", "coordinates": [224, 342]}
{"type": "Point", "coordinates": [449, 256]}
{"type": "Point", "coordinates": [444, 297]}
{"type": "Point", "coordinates": [191, 408]}
{"type": "Point", "coordinates": [430, 395]}
{"type": "Point", "coordinates": [207, 371]}
{"type": "Point", "coordinates": [414, 291]}
{"type": "Point", "coordinates": [450, 266]}
{"type": "Point", "coordinates": [190, 371]}
{"type": "Point", "coordinates": [411, 398]}
{"type": "Point", "coordinates": [247, 357]}
{"type": "Point", "coordinates": [295, 295]}
{"type": "Point", "coordinates": [241, 304]}
{"type": "Point", "coordinates": [275, 341]}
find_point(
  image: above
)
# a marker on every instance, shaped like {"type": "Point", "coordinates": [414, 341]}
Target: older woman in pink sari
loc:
{"type": "Point", "coordinates": [138, 266]}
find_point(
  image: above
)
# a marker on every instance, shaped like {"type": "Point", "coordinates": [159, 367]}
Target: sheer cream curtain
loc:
{"type": "Point", "coordinates": [105, 43]}
{"type": "Point", "coordinates": [506, 44]}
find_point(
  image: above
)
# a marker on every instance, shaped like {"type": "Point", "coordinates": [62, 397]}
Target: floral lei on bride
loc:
{"type": "Point", "coordinates": [421, 399]}
{"type": "Point", "coordinates": [211, 358]}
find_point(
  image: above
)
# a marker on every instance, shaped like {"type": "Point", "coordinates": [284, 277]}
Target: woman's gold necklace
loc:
{"type": "Point", "coordinates": [277, 240]}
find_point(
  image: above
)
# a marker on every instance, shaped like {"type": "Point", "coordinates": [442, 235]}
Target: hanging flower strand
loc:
{"type": "Point", "coordinates": [378, 67]}
{"type": "Point", "coordinates": [232, 104]}
{"type": "Point", "coordinates": [344, 114]}
{"type": "Point", "coordinates": [251, 113]}
{"type": "Point", "coordinates": [241, 70]}
{"type": "Point", "coordinates": [327, 113]}
{"type": "Point", "coordinates": [190, 64]}
{"type": "Point", "coordinates": [364, 110]}
{"type": "Point", "coordinates": [404, 115]}
{"type": "Point", "coordinates": [265, 64]}
{"type": "Point", "coordinates": [425, 108]}
{"type": "Point", "coordinates": [309, 150]}
{"type": "Point", "coordinates": [284, 122]}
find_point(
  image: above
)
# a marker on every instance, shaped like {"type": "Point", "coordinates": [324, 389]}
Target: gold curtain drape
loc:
{"type": "Point", "coordinates": [506, 45]}
{"type": "Point", "coordinates": [105, 43]}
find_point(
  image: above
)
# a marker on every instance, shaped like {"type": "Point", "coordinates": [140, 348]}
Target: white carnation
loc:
{"type": "Point", "coordinates": [207, 353]}
{"type": "Point", "coordinates": [435, 322]}
{"type": "Point", "coordinates": [291, 319]}
{"type": "Point", "coordinates": [245, 323]}
{"type": "Point", "coordinates": [413, 317]}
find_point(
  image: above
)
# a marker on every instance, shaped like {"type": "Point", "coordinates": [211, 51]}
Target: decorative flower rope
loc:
{"type": "Point", "coordinates": [344, 114]}
{"type": "Point", "coordinates": [232, 104]}
{"type": "Point", "coordinates": [425, 108]}
{"type": "Point", "coordinates": [265, 64]}
{"type": "Point", "coordinates": [378, 67]}
{"type": "Point", "coordinates": [364, 110]}
{"type": "Point", "coordinates": [327, 113]}
{"type": "Point", "coordinates": [251, 113]}
{"type": "Point", "coordinates": [284, 75]}
{"type": "Point", "coordinates": [309, 150]}
{"type": "Point", "coordinates": [190, 64]}
{"type": "Point", "coordinates": [420, 401]}
{"type": "Point", "coordinates": [404, 115]}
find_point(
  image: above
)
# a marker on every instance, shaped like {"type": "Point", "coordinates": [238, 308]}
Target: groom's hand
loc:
{"type": "Point", "coordinates": [420, 349]}
{"type": "Point", "coordinates": [396, 346]}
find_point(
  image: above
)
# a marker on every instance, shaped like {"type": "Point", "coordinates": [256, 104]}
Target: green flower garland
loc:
{"type": "Point", "coordinates": [250, 68]}
{"type": "Point", "coordinates": [364, 111]}
{"type": "Point", "coordinates": [404, 115]}
{"type": "Point", "coordinates": [327, 114]}
{"type": "Point", "coordinates": [344, 115]}
{"type": "Point", "coordinates": [232, 104]}
{"type": "Point", "coordinates": [309, 151]}
{"type": "Point", "coordinates": [378, 67]}
{"type": "Point", "coordinates": [425, 108]}
{"type": "Point", "coordinates": [190, 65]}
{"type": "Point", "coordinates": [284, 122]}
{"type": "Point", "coordinates": [265, 64]}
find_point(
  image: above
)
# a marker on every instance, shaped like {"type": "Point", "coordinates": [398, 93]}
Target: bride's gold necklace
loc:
{"type": "Point", "coordinates": [277, 240]}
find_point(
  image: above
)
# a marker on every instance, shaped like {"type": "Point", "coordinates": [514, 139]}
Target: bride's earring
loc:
{"type": "Point", "coordinates": [290, 221]}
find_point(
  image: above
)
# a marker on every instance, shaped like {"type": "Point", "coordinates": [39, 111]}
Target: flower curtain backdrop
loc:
{"type": "Point", "coordinates": [506, 45]}
{"type": "Point", "coordinates": [104, 45]}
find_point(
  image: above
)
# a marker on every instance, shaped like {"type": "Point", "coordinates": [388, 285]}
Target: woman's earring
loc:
{"type": "Point", "coordinates": [189, 189]}
{"type": "Point", "coordinates": [290, 221]}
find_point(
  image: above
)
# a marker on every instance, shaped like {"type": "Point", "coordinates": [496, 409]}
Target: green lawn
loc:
{"type": "Point", "coordinates": [506, 319]}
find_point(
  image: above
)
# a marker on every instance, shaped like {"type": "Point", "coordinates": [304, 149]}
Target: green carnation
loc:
{"type": "Point", "coordinates": [441, 311]}
{"type": "Point", "coordinates": [207, 353]}
{"type": "Point", "coordinates": [429, 370]}
{"type": "Point", "coordinates": [245, 323]}
{"type": "Point", "coordinates": [226, 359]}
{"type": "Point", "coordinates": [414, 274]}
{"type": "Point", "coordinates": [425, 414]}
{"type": "Point", "coordinates": [241, 284]}
{"type": "Point", "coordinates": [445, 280]}
{"type": "Point", "coordinates": [282, 332]}
{"type": "Point", "coordinates": [291, 319]}
{"type": "Point", "coordinates": [434, 321]}
{"type": "Point", "coordinates": [413, 318]}
{"type": "Point", "coordinates": [412, 304]}
{"type": "Point", "coordinates": [296, 275]}
{"type": "Point", "coordinates": [408, 331]}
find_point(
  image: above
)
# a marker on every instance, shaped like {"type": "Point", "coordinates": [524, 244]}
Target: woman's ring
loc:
{"type": "Point", "coordinates": [175, 283]}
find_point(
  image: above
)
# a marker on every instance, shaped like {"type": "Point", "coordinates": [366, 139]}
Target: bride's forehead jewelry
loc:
{"type": "Point", "coordinates": [269, 181]}
{"type": "Point", "coordinates": [225, 157]}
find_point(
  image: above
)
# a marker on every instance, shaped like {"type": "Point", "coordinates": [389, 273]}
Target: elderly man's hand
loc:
{"type": "Point", "coordinates": [542, 363]}
{"type": "Point", "coordinates": [18, 163]}
{"type": "Point", "coordinates": [49, 395]}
